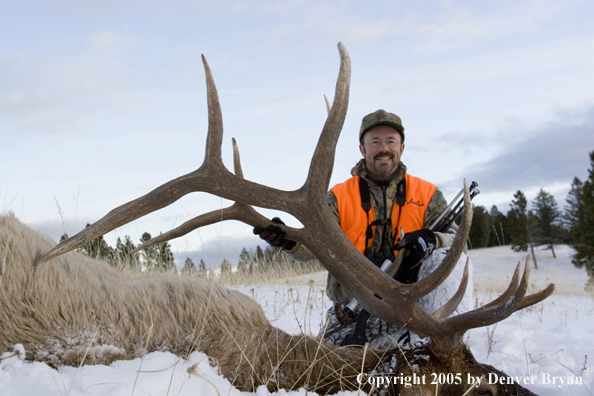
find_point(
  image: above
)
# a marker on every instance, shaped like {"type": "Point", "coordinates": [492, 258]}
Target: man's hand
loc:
{"type": "Point", "coordinates": [274, 235]}
{"type": "Point", "coordinates": [419, 244]}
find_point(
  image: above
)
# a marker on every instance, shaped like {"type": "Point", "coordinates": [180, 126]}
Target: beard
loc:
{"type": "Point", "coordinates": [386, 170]}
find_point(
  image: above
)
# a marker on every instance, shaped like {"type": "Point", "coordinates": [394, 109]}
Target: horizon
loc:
{"type": "Point", "coordinates": [101, 102]}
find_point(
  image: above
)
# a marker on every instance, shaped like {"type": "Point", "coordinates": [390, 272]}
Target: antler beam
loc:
{"type": "Point", "coordinates": [375, 290]}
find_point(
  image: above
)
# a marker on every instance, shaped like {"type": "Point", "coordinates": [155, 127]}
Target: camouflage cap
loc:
{"type": "Point", "coordinates": [381, 117]}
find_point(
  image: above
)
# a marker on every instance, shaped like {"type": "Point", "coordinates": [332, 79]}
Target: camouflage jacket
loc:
{"type": "Point", "coordinates": [336, 292]}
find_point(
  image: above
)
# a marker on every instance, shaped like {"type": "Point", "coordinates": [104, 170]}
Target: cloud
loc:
{"type": "Point", "coordinates": [553, 153]}
{"type": "Point", "coordinates": [54, 90]}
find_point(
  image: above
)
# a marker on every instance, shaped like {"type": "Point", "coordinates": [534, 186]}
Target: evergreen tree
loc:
{"type": "Point", "coordinates": [98, 249]}
{"type": "Point", "coordinates": [273, 258]}
{"type": "Point", "coordinates": [480, 228]}
{"type": "Point", "coordinates": [202, 268]}
{"type": "Point", "coordinates": [165, 260]}
{"type": "Point", "coordinates": [226, 266]}
{"type": "Point", "coordinates": [149, 254]}
{"type": "Point", "coordinates": [498, 235]}
{"type": "Point", "coordinates": [271, 254]}
{"type": "Point", "coordinates": [259, 259]}
{"type": "Point", "coordinates": [226, 270]}
{"type": "Point", "coordinates": [517, 220]}
{"type": "Point", "coordinates": [63, 237]}
{"type": "Point", "coordinates": [580, 216]}
{"type": "Point", "coordinates": [574, 210]}
{"type": "Point", "coordinates": [259, 253]}
{"type": "Point", "coordinates": [519, 225]}
{"type": "Point", "coordinates": [189, 267]}
{"type": "Point", "coordinates": [547, 215]}
{"type": "Point", "coordinates": [123, 254]}
{"type": "Point", "coordinates": [245, 262]}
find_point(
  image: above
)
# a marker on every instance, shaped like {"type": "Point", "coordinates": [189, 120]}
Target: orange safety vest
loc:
{"type": "Point", "coordinates": [354, 221]}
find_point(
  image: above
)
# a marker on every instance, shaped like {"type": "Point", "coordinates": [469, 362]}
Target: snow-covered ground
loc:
{"type": "Point", "coordinates": [552, 339]}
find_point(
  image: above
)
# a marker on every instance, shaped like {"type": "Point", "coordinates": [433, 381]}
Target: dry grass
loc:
{"type": "Point", "coordinates": [74, 310]}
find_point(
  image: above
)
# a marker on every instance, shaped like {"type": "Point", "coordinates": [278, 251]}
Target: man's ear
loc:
{"type": "Point", "coordinates": [362, 150]}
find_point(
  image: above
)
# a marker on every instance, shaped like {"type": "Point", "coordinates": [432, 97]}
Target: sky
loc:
{"type": "Point", "coordinates": [102, 101]}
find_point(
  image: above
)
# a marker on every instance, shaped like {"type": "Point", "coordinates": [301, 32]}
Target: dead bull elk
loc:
{"type": "Point", "coordinates": [199, 311]}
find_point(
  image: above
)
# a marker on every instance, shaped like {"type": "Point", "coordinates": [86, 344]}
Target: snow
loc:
{"type": "Point", "coordinates": [552, 339]}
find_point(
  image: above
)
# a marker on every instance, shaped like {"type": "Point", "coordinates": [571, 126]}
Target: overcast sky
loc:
{"type": "Point", "coordinates": [101, 101]}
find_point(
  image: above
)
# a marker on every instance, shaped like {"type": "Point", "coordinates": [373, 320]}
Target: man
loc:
{"type": "Point", "coordinates": [372, 206]}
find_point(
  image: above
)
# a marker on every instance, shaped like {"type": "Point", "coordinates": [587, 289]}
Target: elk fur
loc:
{"type": "Point", "coordinates": [73, 306]}
{"type": "Point", "coordinates": [56, 309]}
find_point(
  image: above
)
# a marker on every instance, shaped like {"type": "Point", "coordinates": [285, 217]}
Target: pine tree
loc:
{"type": "Point", "coordinates": [498, 235]}
{"type": "Point", "coordinates": [149, 254]}
{"type": "Point", "coordinates": [547, 214]}
{"type": "Point", "coordinates": [273, 258]}
{"type": "Point", "coordinates": [481, 227]}
{"type": "Point", "coordinates": [123, 254]}
{"type": "Point", "coordinates": [520, 224]}
{"type": "Point", "coordinates": [517, 220]}
{"type": "Point", "coordinates": [98, 249]}
{"type": "Point", "coordinates": [259, 259]}
{"type": "Point", "coordinates": [202, 268]}
{"type": "Point", "coordinates": [574, 210]}
{"type": "Point", "coordinates": [165, 260]}
{"type": "Point", "coordinates": [244, 264]}
{"type": "Point", "coordinates": [226, 270]}
{"type": "Point", "coordinates": [189, 267]}
{"type": "Point", "coordinates": [63, 237]}
{"type": "Point", "coordinates": [226, 266]}
{"type": "Point", "coordinates": [580, 216]}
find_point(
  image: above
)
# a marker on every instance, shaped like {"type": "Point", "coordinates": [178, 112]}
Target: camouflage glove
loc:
{"type": "Point", "coordinates": [419, 244]}
{"type": "Point", "coordinates": [274, 235]}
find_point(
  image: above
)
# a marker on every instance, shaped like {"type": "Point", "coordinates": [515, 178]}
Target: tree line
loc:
{"type": "Point", "coordinates": [154, 258]}
{"type": "Point", "coordinates": [522, 228]}
{"type": "Point", "coordinates": [544, 224]}
{"type": "Point", "coordinates": [269, 263]}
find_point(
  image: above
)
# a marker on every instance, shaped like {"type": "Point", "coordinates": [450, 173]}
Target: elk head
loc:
{"type": "Point", "coordinates": [375, 290]}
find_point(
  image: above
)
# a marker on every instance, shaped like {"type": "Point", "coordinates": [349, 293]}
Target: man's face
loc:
{"type": "Point", "coordinates": [382, 148]}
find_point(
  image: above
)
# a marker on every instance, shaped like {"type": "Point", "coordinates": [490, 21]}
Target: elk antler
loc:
{"type": "Point", "coordinates": [375, 290]}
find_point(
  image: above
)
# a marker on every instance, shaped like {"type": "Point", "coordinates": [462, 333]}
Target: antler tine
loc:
{"type": "Point", "coordinates": [237, 211]}
{"type": "Point", "coordinates": [536, 297]}
{"type": "Point", "coordinates": [428, 284]}
{"type": "Point", "coordinates": [448, 308]}
{"type": "Point", "coordinates": [158, 198]}
{"type": "Point", "coordinates": [322, 161]}
{"type": "Point", "coordinates": [211, 177]}
{"type": "Point", "coordinates": [161, 196]}
{"type": "Point", "coordinates": [511, 289]}
{"type": "Point", "coordinates": [236, 160]}
{"type": "Point", "coordinates": [328, 107]}
{"type": "Point", "coordinates": [484, 317]}
{"type": "Point", "coordinates": [214, 139]}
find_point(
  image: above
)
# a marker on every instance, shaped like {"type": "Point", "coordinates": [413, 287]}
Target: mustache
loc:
{"type": "Point", "coordinates": [384, 154]}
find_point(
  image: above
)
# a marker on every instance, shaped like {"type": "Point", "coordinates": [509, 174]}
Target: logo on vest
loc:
{"type": "Point", "coordinates": [413, 202]}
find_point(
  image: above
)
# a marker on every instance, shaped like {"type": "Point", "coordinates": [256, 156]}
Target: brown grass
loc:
{"type": "Point", "coordinates": [74, 310]}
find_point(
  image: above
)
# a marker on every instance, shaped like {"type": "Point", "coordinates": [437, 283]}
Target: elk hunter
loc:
{"type": "Point", "coordinates": [370, 207]}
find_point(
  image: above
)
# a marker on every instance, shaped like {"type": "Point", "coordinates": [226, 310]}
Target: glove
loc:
{"type": "Point", "coordinates": [274, 235]}
{"type": "Point", "coordinates": [419, 244]}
